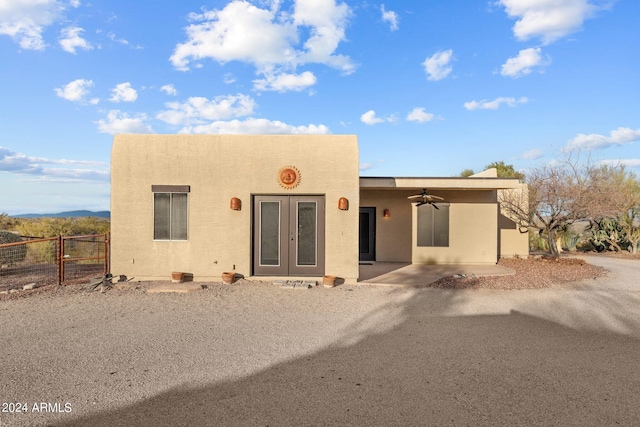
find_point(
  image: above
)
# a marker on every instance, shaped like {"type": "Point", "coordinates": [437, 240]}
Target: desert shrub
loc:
{"type": "Point", "coordinates": [11, 254]}
{"type": "Point", "coordinates": [51, 227]}
{"type": "Point", "coordinates": [570, 240]}
{"type": "Point", "coordinates": [7, 223]}
{"type": "Point", "coordinates": [537, 241]}
{"type": "Point", "coordinates": [585, 245]}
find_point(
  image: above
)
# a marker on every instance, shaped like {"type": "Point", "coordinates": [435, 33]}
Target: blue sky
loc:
{"type": "Point", "coordinates": [429, 87]}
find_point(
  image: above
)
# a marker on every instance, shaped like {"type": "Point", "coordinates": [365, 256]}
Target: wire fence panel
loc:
{"type": "Point", "coordinates": [55, 260]}
{"type": "Point", "coordinates": [23, 263]}
{"type": "Point", "coordinates": [84, 256]}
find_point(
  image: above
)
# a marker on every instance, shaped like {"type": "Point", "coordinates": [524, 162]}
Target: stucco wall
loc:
{"type": "Point", "coordinates": [219, 167]}
{"type": "Point", "coordinates": [473, 230]}
{"type": "Point", "coordinates": [393, 234]}
{"type": "Point", "coordinates": [473, 227]}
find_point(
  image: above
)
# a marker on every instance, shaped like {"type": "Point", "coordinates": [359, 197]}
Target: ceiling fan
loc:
{"type": "Point", "coordinates": [425, 198]}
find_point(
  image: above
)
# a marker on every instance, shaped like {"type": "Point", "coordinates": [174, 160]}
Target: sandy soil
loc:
{"type": "Point", "coordinates": [532, 273]}
{"type": "Point", "coordinates": [253, 353]}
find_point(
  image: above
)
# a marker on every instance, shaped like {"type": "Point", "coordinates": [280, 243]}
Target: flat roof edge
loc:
{"type": "Point", "coordinates": [475, 183]}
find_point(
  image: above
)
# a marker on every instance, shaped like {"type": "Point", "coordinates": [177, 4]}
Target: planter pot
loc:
{"type": "Point", "coordinates": [177, 277]}
{"type": "Point", "coordinates": [329, 281]}
{"type": "Point", "coordinates": [228, 277]}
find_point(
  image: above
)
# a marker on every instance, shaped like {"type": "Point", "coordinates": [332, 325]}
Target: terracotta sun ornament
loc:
{"type": "Point", "coordinates": [289, 177]}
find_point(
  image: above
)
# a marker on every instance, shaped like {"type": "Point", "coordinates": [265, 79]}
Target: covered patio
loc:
{"type": "Point", "coordinates": [417, 275]}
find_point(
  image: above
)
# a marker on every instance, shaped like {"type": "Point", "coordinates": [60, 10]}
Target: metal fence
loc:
{"type": "Point", "coordinates": [55, 260]}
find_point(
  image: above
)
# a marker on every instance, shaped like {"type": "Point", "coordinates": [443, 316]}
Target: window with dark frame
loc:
{"type": "Point", "coordinates": [170, 212]}
{"type": "Point", "coordinates": [433, 225]}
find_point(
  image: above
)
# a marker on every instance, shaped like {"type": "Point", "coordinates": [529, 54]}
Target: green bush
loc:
{"type": "Point", "coordinates": [11, 254]}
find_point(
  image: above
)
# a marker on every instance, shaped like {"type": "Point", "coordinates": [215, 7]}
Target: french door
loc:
{"type": "Point", "coordinates": [288, 235]}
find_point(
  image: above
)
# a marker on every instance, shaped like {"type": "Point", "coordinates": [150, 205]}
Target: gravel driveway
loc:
{"type": "Point", "coordinates": [255, 354]}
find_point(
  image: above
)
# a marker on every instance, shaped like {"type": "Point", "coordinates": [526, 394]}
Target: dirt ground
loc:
{"type": "Point", "coordinates": [254, 353]}
{"type": "Point", "coordinates": [536, 272]}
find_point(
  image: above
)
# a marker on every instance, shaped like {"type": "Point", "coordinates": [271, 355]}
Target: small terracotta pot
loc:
{"type": "Point", "coordinates": [329, 281]}
{"type": "Point", "coordinates": [177, 277]}
{"type": "Point", "coordinates": [228, 277]}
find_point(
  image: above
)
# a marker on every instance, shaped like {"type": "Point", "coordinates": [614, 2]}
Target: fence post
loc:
{"type": "Point", "coordinates": [106, 253]}
{"type": "Point", "coordinates": [59, 260]}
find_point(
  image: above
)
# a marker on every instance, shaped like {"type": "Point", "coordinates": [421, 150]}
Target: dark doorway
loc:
{"type": "Point", "coordinates": [367, 239]}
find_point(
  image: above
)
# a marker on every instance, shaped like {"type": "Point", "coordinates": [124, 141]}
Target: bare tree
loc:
{"type": "Point", "coordinates": [556, 197]}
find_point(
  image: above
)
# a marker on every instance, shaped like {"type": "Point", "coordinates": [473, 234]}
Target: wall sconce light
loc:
{"type": "Point", "coordinates": [343, 204]}
{"type": "Point", "coordinates": [386, 213]}
{"type": "Point", "coordinates": [236, 204]}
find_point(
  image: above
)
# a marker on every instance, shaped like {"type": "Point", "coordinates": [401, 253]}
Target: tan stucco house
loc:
{"type": "Point", "coordinates": [289, 206]}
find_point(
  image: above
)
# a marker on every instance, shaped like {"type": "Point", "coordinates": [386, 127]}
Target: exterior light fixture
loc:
{"type": "Point", "coordinates": [343, 204]}
{"type": "Point", "coordinates": [386, 213]}
{"type": "Point", "coordinates": [236, 204]}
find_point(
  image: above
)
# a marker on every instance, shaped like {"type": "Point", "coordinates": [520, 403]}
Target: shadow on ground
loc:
{"type": "Point", "coordinates": [431, 369]}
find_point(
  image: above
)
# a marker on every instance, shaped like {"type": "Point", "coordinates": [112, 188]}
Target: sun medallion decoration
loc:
{"type": "Point", "coordinates": [289, 177]}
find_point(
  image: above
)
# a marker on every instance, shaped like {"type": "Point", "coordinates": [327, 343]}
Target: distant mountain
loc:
{"type": "Point", "coordinates": [70, 214]}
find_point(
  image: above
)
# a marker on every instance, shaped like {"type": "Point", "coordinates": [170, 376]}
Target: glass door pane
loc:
{"type": "Point", "coordinates": [307, 233]}
{"type": "Point", "coordinates": [269, 233]}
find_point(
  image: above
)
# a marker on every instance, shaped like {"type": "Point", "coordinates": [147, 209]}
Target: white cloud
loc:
{"type": "Point", "coordinates": [286, 82]}
{"type": "Point", "coordinates": [524, 63]}
{"type": "Point", "coordinates": [534, 154]}
{"type": "Point", "coordinates": [229, 78]}
{"type": "Point", "coordinates": [122, 41]}
{"type": "Point", "coordinates": [75, 90]}
{"type": "Point", "coordinates": [593, 141]}
{"type": "Point", "coordinates": [548, 19]}
{"type": "Point", "coordinates": [370, 118]}
{"type": "Point", "coordinates": [438, 65]}
{"type": "Point", "coordinates": [119, 122]}
{"type": "Point", "coordinates": [419, 115]}
{"type": "Point", "coordinates": [199, 110]}
{"type": "Point", "coordinates": [370, 165]}
{"type": "Point", "coordinates": [123, 92]}
{"type": "Point", "coordinates": [25, 20]}
{"type": "Point", "coordinates": [495, 104]}
{"type": "Point", "coordinates": [255, 126]}
{"type": "Point", "coordinates": [70, 40]}
{"type": "Point", "coordinates": [13, 162]}
{"type": "Point", "coordinates": [391, 17]}
{"type": "Point", "coordinates": [270, 39]}
{"type": "Point", "coordinates": [169, 90]}
{"type": "Point", "coordinates": [326, 22]}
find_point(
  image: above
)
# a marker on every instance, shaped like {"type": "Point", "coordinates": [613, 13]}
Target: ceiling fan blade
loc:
{"type": "Point", "coordinates": [415, 196]}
